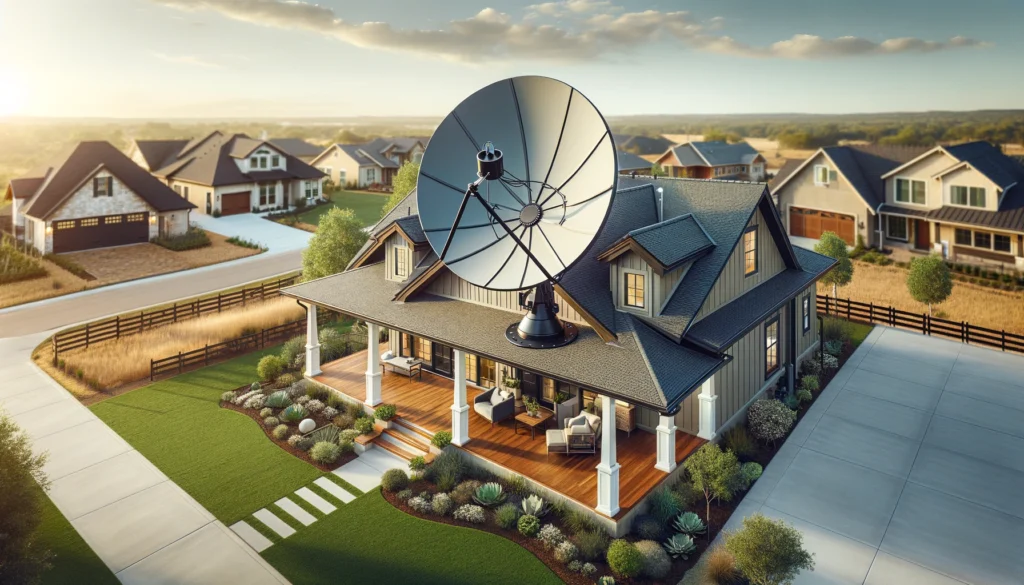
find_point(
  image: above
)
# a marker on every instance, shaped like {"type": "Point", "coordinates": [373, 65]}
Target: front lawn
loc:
{"type": "Point", "coordinates": [368, 541]}
{"type": "Point", "coordinates": [73, 561]}
{"type": "Point", "coordinates": [367, 206]}
{"type": "Point", "coordinates": [220, 457]}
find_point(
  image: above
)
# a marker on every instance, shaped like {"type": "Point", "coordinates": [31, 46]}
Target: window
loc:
{"type": "Point", "coordinates": [548, 390]}
{"type": "Point", "coordinates": [963, 237]}
{"type": "Point", "coordinates": [634, 290]}
{"type": "Point", "coordinates": [89, 222]}
{"type": "Point", "coordinates": [910, 191]}
{"type": "Point", "coordinates": [275, 161]}
{"type": "Point", "coordinates": [958, 195]}
{"type": "Point", "coordinates": [977, 197]}
{"type": "Point", "coordinates": [807, 312]}
{"type": "Point", "coordinates": [401, 268]}
{"type": "Point", "coordinates": [177, 189]}
{"type": "Point", "coordinates": [268, 194]}
{"type": "Point", "coordinates": [312, 189]}
{"type": "Point", "coordinates": [488, 371]}
{"type": "Point", "coordinates": [471, 371]}
{"type": "Point", "coordinates": [136, 217]}
{"type": "Point", "coordinates": [967, 196]}
{"type": "Point", "coordinates": [896, 227]}
{"type": "Point", "coordinates": [1001, 243]}
{"type": "Point", "coordinates": [254, 162]}
{"type": "Point", "coordinates": [750, 250]}
{"type": "Point", "coordinates": [64, 225]}
{"type": "Point", "coordinates": [30, 229]}
{"type": "Point", "coordinates": [982, 240]}
{"type": "Point", "coordinates": [820, 175]}
{"type": "Point", "coordinates": [371, 175]}
{"type": "Point", "coordinates": [423, 349]}
{"type": "Point", "coordinates": [112, 219]}
{"type": "Point", "coordinates": [405, 348]}
{"type": "Point", "coordinates": [102, 186]}
{"type": "Point", "coordinates": [771, 346]}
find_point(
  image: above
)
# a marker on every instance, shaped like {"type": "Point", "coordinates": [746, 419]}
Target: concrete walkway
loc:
{"type": "Point", "coordinates": [276, 237]}
{"type": "Point", "coordinates": [908, 468]}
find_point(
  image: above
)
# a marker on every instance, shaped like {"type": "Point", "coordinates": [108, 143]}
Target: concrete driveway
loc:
{"type": "Point", "coordinates": [908, 469]}
{"type": "Point", "coordinates": [276, 237]}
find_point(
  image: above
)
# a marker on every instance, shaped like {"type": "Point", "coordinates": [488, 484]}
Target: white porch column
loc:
{"type": "Point", "coordinates": [666, 432]}
{"type": "Point", "coordinates": [312, 343]}
{"type": "Point", "coordinates": [608, 469]}
{"type": "Point", "coordinates": [372, 364]}
{"type": "Point", "coordinates": [460, 410]}
{"type": "Point", "coordinates": [708, 410]}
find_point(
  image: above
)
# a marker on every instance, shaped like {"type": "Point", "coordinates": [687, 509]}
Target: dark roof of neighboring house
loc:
{"type": "Point", "coordinates": [1002, 170]}
{"type": "Point", "coordinates": [296, 147]}
{"type": "Point", "coordinates": [25, 187]}
{"type": "Point", "coordinates": [787, 169]}
{"type": "Point", "coordinates": [364, 157]}
{"type": "Point", "coordinates": [372, 153]}
{"type": "Point", "coordinates": [674, 241]}
{"type": "Point", "coordinates": [1011, 218]}
{"type": "Point", "coordinates": [630, 162]}
{"type": "Point", "coordinates": [84, 160]}
{"type": "Point", "coordinates": [720, 153]}
{"type": "Point", "coordinates": [155, 152]}
{"type": "Point", "coordinates": [641, 144]}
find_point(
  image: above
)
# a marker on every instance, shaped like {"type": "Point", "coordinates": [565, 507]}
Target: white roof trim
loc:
{"type": "Point", "coordinates": [913, 162]}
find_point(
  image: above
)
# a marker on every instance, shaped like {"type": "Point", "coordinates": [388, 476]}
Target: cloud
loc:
{"type": "Point", "coordinates": [187, 60]}
{"type": "Point", "coordinates": [599, 28]}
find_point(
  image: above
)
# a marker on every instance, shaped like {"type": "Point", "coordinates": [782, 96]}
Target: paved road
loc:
{"type": "Point", "coordinates": [908, 468]}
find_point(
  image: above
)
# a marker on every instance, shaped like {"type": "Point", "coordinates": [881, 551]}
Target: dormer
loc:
{"type": "Point", "coordinates": [401, 246]}
{"type": "Point", "coordinates": [264, 159]}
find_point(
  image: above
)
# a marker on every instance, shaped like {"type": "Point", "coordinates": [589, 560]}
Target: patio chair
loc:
{"type": "Point", "coordinates": [580, 434]}
{"type": "Point", "coordinates": [495, 407]}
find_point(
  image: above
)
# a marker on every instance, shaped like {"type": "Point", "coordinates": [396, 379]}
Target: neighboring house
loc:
{"type": "Point", "coordinates": [229, 173]}
{"type": "Point", "coordinates": [630, 163]}
{"type": "Point", "coordinates": [837, 189]}
{"type": "Point", "coordinates": [713, 160]}
{"type": "Point", "coordinates": [691, 303]}
{"type": "Point", "coordinates": [94, 197]}
{"type": "Point", "coordinates": [641, 145]}
{"type": "Point", "coordinates": [298, 148]}
{"type": "Point", "coordinates": [372, 163]}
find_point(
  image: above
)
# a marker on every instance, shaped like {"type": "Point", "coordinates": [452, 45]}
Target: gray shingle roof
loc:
{"type": "Point", "coordinates": [864, 166]}
{"type": "Point", "coordinates": [722, 153]}
{"type": "Point", "coordinates": [674, 241]}
{"type": "Point", "coordinates": [211, 161]}
{"type": "Point", "coordinates": [1011, 218]}
{"type": "Point", "coordinates": [641, 144]}
{"type": "Point", "coordinates": [297, 147]}
{"type": "Point", "coordinates": [631, 162]}
{"type": "Point", "coordinates": [989, 161]}
{"type": "Point", "coordinates": [688, 156]}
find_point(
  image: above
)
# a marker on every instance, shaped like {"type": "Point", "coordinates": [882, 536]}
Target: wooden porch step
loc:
{"type": "Point", "coordinates": [413, 441]}
{"type": "Point", "coordinates": [400, 452]}
{"type": "Point", "coordinates": [414, 429]}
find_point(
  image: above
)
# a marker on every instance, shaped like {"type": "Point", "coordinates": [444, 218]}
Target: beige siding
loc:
{"type": "Point", "coordinates": [968, 177]}
{"type": "Point", "coordinates": [631, 263]}
{"type": "Point", "coordinates": [732, 283]}
{"type": "Point", "coordinates": [449, 285]}
{"type": "Point", "coordinates": [742, 378]}
{"type": "Point", "coordinates": [396, 244]}
{"type": "Point", "coordinates": [922, 170]}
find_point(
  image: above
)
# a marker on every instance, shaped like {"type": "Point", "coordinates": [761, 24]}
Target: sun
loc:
{"type": "Point", "coordinates": [12, 93]}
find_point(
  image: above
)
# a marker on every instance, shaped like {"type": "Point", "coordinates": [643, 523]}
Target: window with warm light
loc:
{"type": "Point", "coordinates": [488, 371]}
{"type": "Point", "coordinates": [471, 370]}
{"type": "Point", "coordinates": [423, 349]}
{"type": "Point", "coordinates": [750, 250]}
{"type": "Point", "coordinates": [634, 290]}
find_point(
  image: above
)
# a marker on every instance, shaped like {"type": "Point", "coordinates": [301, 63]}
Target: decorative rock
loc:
{"type": "Point", "coordinates": [306, 425]}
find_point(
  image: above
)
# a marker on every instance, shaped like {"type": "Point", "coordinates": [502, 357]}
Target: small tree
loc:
{"type": "Point", "coordinates": [714, 473]}
{"type": "Point", "coordinates": [657, 170]}
{"type": "Point", "coordinates": [833, 246]}
{"type": "Point", "coordinates": [337, 239]}
{"type": "Point", "coordinates": [22, 557]}
{"type": "Point", "coordinates": [768, 552]}
{"type": "Point", "coordinates": [929, 280]}
{"type": "Point", "coordinates": [403, 184]}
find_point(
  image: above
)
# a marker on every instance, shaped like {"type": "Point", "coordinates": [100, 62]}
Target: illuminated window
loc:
{"type": "Point", "coordinates": [401, 267]}
{"type": "Point", "coordinates": [406, 348]}
{"type": "Point", "coordinates": [423, 349]}
{"type": "Point", "coordinates": [771, 346]}
{"type": "Point", "coordinates": [487, 373]}
{"type": "Point", "coordinates": [89, 222]}
{"type": "Point", "coordinates": [471, 372]}
{"type": "Point", "coordinates": [135, 217]}
{"type": "Point", "coordinates": [634, 290]}
{"type": "Point", "coordinates": [64, 225]}
{"type": "Point", "coordinates": [820, 175]}
{"type": "Point", "coordinates": [112, 219]}
{"type": "Point", "coordinates": [750, 251]}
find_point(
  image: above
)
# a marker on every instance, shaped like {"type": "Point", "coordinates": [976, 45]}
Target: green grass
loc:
{"type": "Point", "coordinates": [73, 561]}
{"type": "Point", "coordinates": [858, 332]}
{"type": "Point", "coordinates": [368, 542]}
{"type": "Point", "coordinates": [367, 206]}
{"type": "Point", "coordinates": [220, 457]}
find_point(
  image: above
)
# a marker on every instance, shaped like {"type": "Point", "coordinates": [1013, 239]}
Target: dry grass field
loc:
{"type": "Point", "coordinates": [978, 305]}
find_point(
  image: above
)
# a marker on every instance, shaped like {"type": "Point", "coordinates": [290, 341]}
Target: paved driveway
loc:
{"type": "Point", "coordinates": [276, 237]}
{"type": "Point", "coordinates": [909, 468]}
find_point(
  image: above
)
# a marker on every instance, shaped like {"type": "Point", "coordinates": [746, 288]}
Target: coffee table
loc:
{"type": "Point", "coordinates": [531, 422]}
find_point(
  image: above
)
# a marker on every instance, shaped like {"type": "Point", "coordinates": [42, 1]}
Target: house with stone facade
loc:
{"type": "Point", "coordinates": [93, 197]}
{"type": "Point", "coordinates": [226, 174]}
{"type": "Point", "coordinates": [373, 163]}
{"type": "Point", "coordinates": [690, 304]}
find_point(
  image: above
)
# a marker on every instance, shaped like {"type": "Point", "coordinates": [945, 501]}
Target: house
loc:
{"type": "Point", "coordinates": [298, 148]}
{"type": "Point", "coordinates": [837, 189]}
{"type": "Point", "coordinates": [373, 163]}
{"type": "Point", "coordinates": [225, 174]}
{"type": "Point", "coordinates": [690, 304]}
{"type": "Point", "coordinates": [94, 197]}
{"type": "Point", "coordinates": [641, 145]}
{"type": "Point", "coordinates": [630, 163]}
{"type": "Point", "coordinates": [964, 201]}
{"type": "Point", "coordinates": [713, 160]}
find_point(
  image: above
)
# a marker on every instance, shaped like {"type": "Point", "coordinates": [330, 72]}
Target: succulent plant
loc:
{"type": "Point", "coordinates": [279, 399]}
{"type": "Point", "coordinates": [489, 494]}
{"type": "Point", "coordinates": [293, 413]}
{"type": "Point", "coordinates": [680, 546]}
{"type": "Point", "coordinates": [690, 524]}
{"type": "Point", "coordinates": [535, 506]}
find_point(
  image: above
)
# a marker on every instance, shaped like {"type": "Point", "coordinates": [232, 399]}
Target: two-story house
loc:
{"type": "Point", "coordinates": [225, 174]}
{"type": "Point", "coordinates": [373, 163]}
{"type": "Point", "coordinates": [713, 160]}
{"type": "Point", "coordinates": [690, 304]}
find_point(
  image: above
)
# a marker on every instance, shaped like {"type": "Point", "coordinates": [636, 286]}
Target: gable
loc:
{"type": "Point", "coordinates": [800, 189]}
{"type": "Point", "coordinates": [82, 202]}
{"type": "Point", "coordinates": [927, 167]}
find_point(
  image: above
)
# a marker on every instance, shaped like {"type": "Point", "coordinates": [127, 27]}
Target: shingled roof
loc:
{"type": "Point", "coordinates": [297, 147]}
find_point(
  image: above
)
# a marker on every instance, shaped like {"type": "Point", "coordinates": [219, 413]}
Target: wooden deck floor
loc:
{"type": "Point", "coordinates": [427, 403]}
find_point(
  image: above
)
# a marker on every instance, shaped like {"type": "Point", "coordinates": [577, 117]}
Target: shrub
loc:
{"type": "Point", "coordinates": [770, 420]}
{"type": "Point", "coordinates": [305, 443]}
{"type": "Point", "coordinates": [280, 432]}
{"type": "Point", "coordinates": [803, 395]}
{"type": "Point", "coordinates": [810, 382]}
{"type": "Point", "coordinates": [588, 570]}
{"type": "Point", "coordinates": [566, 552]}
{"type": "Point", "coordinates": [535, 505]}
{"type": "Point", "coordinates": [394, 480]}
{"type": "Point", "coordinates": [550, 536]}
{"type": "Point", "coordinates": [624, 559]}
{"type": "Point", "coordinates": [297, 389]}
{"type": "Point", "coordinates": [829, 362]}
{"type": "Point", "coordinates": [364, 425]}
{"type": "Point", "coordinates": [528, 525]}
{"type": "Point", "coordinates": [750, 472]}
{"type": "Point", "coordinates": [286, 379]}
{"type": "Point", "coordinates": [506, 516]}
{"type": "Point", "coordinates": [294, 440]}
{"type": "Point", "coordinates": [292, 348]}
{"type": "Point", "coordinates": [578, 521]}
{"type": "Point", "coordinates": [810, 367]}
{"type": "Point", "coordinates": [271, 421]}
{"type": "Point", "coordinates": [404, 495]}
{"type": "Point", "coordinates": [317, 391]}
{"type": "Point", "coordinates": [834, 347]}
{"type": "Point", "coordinates": [517, 485]}
{"type": "Point", "coordinates": [680, 546]}
{"type": "Point", "coordinates": [442, 504]}
{"type": "Point", "coordinates": [647, 528]}
{"type": "Point", "coordinates": [591, 544]}
{"type": "Point", "coordinates": [266, 412]}
{"type": "Point", "coordinates": [314, 406]}
{"type": "Point", "coordinates": [385, 412]}
{"type": "Point", "coordinates": [279, 399]}
{"type": "Point", "coordinates": [269, 368]}
{"type": "Point", "coordinates": [738, 440]}
{"type": "Point", "coordinates": [228, 396]}
{"type": "Point", "coordinates": [656, 562]}
{"type": "Point", "coordinates": [835, 328]}
{"type": "Point", "coordinates": [348, 435]}
{"type": "Point", "coordinates": [768, 552]}
{"type": "Point", "coordinates": [664, 505]}
{"type": "Point", "coordinates": [346, 445]}
{"type": "Point", "coordinates": [329, 413]}
{"type": "Point", "coordinates": [470, 513]}
{"type": "Point", "coordinates": [326, 434]}
{"type": "Point", "coordinates": [343, 421]}
{"type": "Point", "coordinates": [489, 494]}
{"type": "Point", "coordinates": [324, 452]}
{"type": "Point", "coordinates": [464, 492]}
{"type": "Point", "coordinates": [244, 243]}
{"type": "Point", "coordinates": [293, 413]}
{"type": "Point", "coordinates": [720, 567]}
{"type": "Point", "coordinates": [18, 266]}
{"type": "Point", "coordinates": [792, 402]}
{"type": "Point", "coordinates": [441, 439]}
{"type": "Point", "coordinates": [255, 387]}
{"type": "Point", "coordinates": [190, 240]}
{"type": "Point", "coordinates": [256, 401]}
{"type": "Point", "coordinates": [421, 504]}
{"type": "Point", "coordinates": [417, 463]}
{"type": "Point", "coordinates": [688, 495]}
{"type": "Point", "coordinates": [606, 580]}
{"type": "Point", "coordinates": [446, 471]}
{"type": "Point", "coordinates": [575, 566]}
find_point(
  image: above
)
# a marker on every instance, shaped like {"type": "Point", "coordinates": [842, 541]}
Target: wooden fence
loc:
{"type": "Point", "coordinates": [959, 330]}
{"type": "Point", "coordinates": [123, 326]}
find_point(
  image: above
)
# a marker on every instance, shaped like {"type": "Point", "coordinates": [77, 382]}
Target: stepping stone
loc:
{"type": "Point", "coordinates": [274, 523]}
{"type": "Point", "coordinates": [251, 536]}
{"type": "Point", "coordinates": [318, 502]}
{"type": "Point", "coordinates": [334, 489]}
{"type": "Point", "coordinates": [296, 511]}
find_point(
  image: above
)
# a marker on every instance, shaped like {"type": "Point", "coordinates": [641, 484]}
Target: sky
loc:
{"type": "Point", "coordinates": [340, 58]}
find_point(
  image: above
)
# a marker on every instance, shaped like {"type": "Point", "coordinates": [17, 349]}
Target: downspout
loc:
{"type": "Point", "coordinates": [821, 340]}
{"type": "Point", "coordinates": [878, 216]}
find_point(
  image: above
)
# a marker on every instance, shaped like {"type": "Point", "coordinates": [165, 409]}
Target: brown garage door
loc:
{"type": "Point", "coordinates": [233, 203]}
{"type": "Point", "coordinates": [100, 232]}
{"type": "Point", "coordinates": [811, 223]}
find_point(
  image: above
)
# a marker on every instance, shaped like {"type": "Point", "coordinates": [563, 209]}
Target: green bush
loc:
{"type": "Point", "coordinates": [656, 563]}
{"type": "Point", "coordinates": [325, 453]}
{"type": "Point", "coordinates": [768, 552]}
{"type": "Point", "coordinates": [293, 413]}
{"type": "Point", "coordinates": [442, 504]}
{"type": "Point", "coordinates": [404, 495]}
{"type": "Point", "coordinates": [663, 505]}
{"type": "Point", "coordinates": [804, 395]}
{"type": "Point", "coordinates": [566, 552]}
{"type": "Point", "coordinates": [606, 580]}
{"type": "Point", "coordinates": [271, 422]}
{"type": "Point", "coordinates": [269, 368]}
{"type": "Point", "coordinates": [750, 472]}
{"type": "Point", "coordinates": [770, 420]}
{"type": "Point", "coordinates": [279, 399]}
{"type": "Point", "coordinates": [591, 544]}
{"type": "Point", "coordinates": [244, 243]}
{"type": "Point", "coordinates": [348, 435]}
{"type": "Point", "coordinates": [791, 402]}
{"type": "Point", "coordinates": [343, 422]}
{"type": "Point", "coordinates": [228, 396]}
{"type": "Point", "coordinates": [417, 463]}
{"type": "Point", "coordinates": [688, 495]}
{"type": "Point", "coordinates": [739, 442]}
{"type": "Point", "coordinates": [193, 238]}
{"type": "Point", "coordinates": [266, 412]}
{"type": "Point", "coordinates": [354, 410]}
{"type": "Point", "coordinates": [647, 528]}
{"type": "Point", "coordinates": [364, 425]}
{"type": "Point", "coordinates": [16, 266]}
{"type": "Point", "coordinates": [464, 492]}
{"type": "Point", "coordinates": [528, 525]}
{"type": "Point", "coordinates": [517, 485]}
{"type": "Point", "coordinates": [441, 439]}
{"type": "Point", "coordinates": [394, 480]}
{"type": "Point", "coordinates": [280, 432]}
{"type": "Point", "coordinates": [347, 445]}
{"type": "Point", "coordinates": [624, 559]}
{"type": "Point", "coordinates": [811, 383]}
{"type": "Point", "coordinates": [506, 516]}
{"type": "Point", "coordinates": [577, 521]}
{"type": "Point", "coordinates": [304, 443]}
{"type": "Point", "coordinates": [385, 412]}
{"type": "Point", "coordinates": [446, 471]}
{"type": "Point", "coordinates": [287, 379]}
{"type": "Point", "coordinates": [69, 265]}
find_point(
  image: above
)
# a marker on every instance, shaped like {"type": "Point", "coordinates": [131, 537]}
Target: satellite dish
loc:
{"type": "Point", "coordinates": [514, 186]}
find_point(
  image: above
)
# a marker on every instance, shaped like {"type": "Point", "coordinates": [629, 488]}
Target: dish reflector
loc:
{"type": "Point", "coordinates": [557, 168]}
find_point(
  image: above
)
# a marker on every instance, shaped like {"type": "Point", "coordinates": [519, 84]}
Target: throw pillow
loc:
{"type": "Point", "coordinates": [505, 394]}
{"type": "Point", "coordinates": [387, 355]}
{"type": "Point", "coordinates": [495, 397]}
{"type": "Point", "coordinates": [578, 420]}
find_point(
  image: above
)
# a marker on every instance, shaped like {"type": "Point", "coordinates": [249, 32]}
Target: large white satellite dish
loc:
{"type": "Point", "coordinates": [513, 188]}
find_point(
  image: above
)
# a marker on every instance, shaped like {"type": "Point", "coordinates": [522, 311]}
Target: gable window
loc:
{"type": "Point", "coordinates": [967, 196]}
{"type": "Point", "coordinates": [275, 161]}
{"type": "Point", "coordinates": [910, 191]}
{"type": "Point", "coordinates": [982, 240]}
{"type": "Point", "coordinates": [820, 175]}
{"type": "Point", "coordinates": [771, 346]}
{"type": "Point", "coordinates": [1001, 243]}
{"type": "Point", "coordinates": [807, 313]}
{"type": "Point", "coordinates": [401, 268]}
{"type": "Point", "coordinates": [896, 227]}
{"type": "Point", "coordinates": [634, 296]}
{"type": "Point", "coordinates": [750, 250]}
{"type": "Point", "coordinates": [103, 186]}
{"type": "Point", "coordinates": [963, 237]}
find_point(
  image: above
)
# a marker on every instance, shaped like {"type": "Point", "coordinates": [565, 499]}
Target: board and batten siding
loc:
{"type": "Point", "coordinates": [732, 283]}
{"type": "Point", "coordinates": [450, 286]}
{"type": "Point", "coordinates": [805, 341]}
{"type": "Point", "coordinates": [657, 288]}
{"type": "Point", "coordinates": [688, 417]}
{"type": "Point", "coordinates": [742, 378]}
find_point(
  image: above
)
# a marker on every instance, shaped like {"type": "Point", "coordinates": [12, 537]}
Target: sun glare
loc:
{"type": "Point", "coordinates": [12, 93]}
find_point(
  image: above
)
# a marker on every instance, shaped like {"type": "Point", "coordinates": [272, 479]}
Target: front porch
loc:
{"type": "Point", "coordinates": [427, 403]}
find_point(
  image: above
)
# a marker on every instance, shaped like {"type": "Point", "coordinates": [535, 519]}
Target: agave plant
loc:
{"type": "Point", "coordinates": [690, 524]}
{"type": "Point", "coordinates": [279, 399]}
{"type": "Point", "coordinates": [489, 494]}
{"type": "Point", "coordinates": [535, 506]}
{"type": "Point", "coordinates": [293, 413]}
{"type": "Point", "coordinates": [680, 546]}
{"type": "Point", "coordinates": [326, 434]}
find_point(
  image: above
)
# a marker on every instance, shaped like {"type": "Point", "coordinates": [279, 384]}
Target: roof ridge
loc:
{"type": "Point", "coordinates": [665, 178]}
{"type": "Point", "coordinates": [664, 222]}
